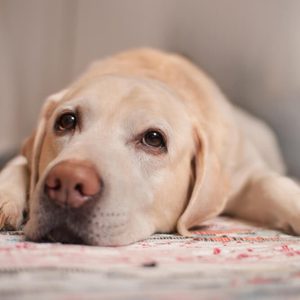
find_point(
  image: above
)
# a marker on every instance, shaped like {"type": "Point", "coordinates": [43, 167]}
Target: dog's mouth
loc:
{"type": "Point", "coordinates": [62, 234]}
{"type": "Point", "coordinates": [91, 225]}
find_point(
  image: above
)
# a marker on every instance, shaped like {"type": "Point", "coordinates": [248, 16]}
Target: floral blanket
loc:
{"type": "Point", "coordinates": [225, 259]}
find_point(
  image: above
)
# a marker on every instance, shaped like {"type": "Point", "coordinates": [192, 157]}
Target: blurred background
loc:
{"type": "Point", "coordinates": [251, 48]}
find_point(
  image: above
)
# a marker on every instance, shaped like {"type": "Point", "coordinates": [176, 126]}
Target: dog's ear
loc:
{"type": "Point", "coordinates": [31, 148]}
{"type": "Point", "coordinates": [209, 187]}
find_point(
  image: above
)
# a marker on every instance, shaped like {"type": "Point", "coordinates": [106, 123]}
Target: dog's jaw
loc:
{"type": "Point", "coordinates": [94, 226]}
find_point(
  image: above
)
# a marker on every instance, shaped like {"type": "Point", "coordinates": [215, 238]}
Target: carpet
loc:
{"type": "Point", "coordinates": [225, 259]}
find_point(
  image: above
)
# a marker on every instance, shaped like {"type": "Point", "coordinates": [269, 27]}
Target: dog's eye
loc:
{"type": "Point", "coordinates": [154, 139]}
{"type": "Point", "coordinates": [66, 122]}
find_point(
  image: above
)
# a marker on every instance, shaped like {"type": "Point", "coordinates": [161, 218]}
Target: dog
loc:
{"type": "Point", "coordinates": [144, 142]}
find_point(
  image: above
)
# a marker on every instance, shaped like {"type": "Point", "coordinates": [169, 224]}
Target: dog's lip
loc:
{"type": "Point", "coordinates": [61, 234]}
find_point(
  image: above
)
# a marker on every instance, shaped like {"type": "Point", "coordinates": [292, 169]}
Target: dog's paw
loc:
{"type": "Point", "coordinates": [11, 211]}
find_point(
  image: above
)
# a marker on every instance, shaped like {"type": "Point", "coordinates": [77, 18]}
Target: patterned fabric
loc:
{"type": "Point", "coordinates": [225, 259]}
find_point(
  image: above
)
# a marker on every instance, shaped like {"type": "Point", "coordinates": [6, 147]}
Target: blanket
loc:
{"type": "Point", "coordinates": [224, 259]}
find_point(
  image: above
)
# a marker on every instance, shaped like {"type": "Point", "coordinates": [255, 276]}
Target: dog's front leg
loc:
{"type": "Point", "coordinates": [270, 199]}
{"type": "Point", "coordinates": [13, 192]}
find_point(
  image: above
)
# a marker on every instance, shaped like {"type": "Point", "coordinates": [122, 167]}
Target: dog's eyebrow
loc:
{"type": "Point", "coordinates": [133, 93]}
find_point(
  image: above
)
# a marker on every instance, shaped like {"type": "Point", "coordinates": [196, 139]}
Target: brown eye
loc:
{"type": "Point", "coordinates": [154, 139]}
{"type": "Point", "coordinates": [66, 122]}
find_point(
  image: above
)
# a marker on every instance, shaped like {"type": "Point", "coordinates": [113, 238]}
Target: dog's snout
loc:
{"type": "Point", "coordinates": [72, 183]}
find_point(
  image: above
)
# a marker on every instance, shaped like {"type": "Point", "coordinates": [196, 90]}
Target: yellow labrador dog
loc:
{"type": "Point", "coordinates": [144, 142]}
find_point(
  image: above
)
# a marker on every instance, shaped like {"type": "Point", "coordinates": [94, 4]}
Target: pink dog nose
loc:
{"type": "Point", "coordinates": [72, 183]}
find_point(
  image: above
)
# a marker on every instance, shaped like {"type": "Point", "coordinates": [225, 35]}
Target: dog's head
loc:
{"type": "Point", "coordinates": [115, 159]}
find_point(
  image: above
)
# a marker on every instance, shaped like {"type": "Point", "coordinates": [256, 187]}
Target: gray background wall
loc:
{"type": "Point", "coordinates": [251, 48]}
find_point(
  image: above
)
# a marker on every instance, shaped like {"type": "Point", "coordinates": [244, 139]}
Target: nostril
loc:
{"type": "Point", "coordinates": [79, 188]}
{"type": "Point", "coordinates": [86, 189]}
{"type": "Point", "coordinates": [54, 184]}
{"type": "Point", "coordinates": [53, 188]}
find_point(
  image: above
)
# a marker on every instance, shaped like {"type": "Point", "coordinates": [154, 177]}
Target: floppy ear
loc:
{"type": "Point", "coordinates": [31, 148]}
{"type": "Point", "coordinates": [209, 192]}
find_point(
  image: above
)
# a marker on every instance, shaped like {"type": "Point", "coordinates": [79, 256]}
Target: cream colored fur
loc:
{"type": "Point", "coordinates": [219, 160]}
